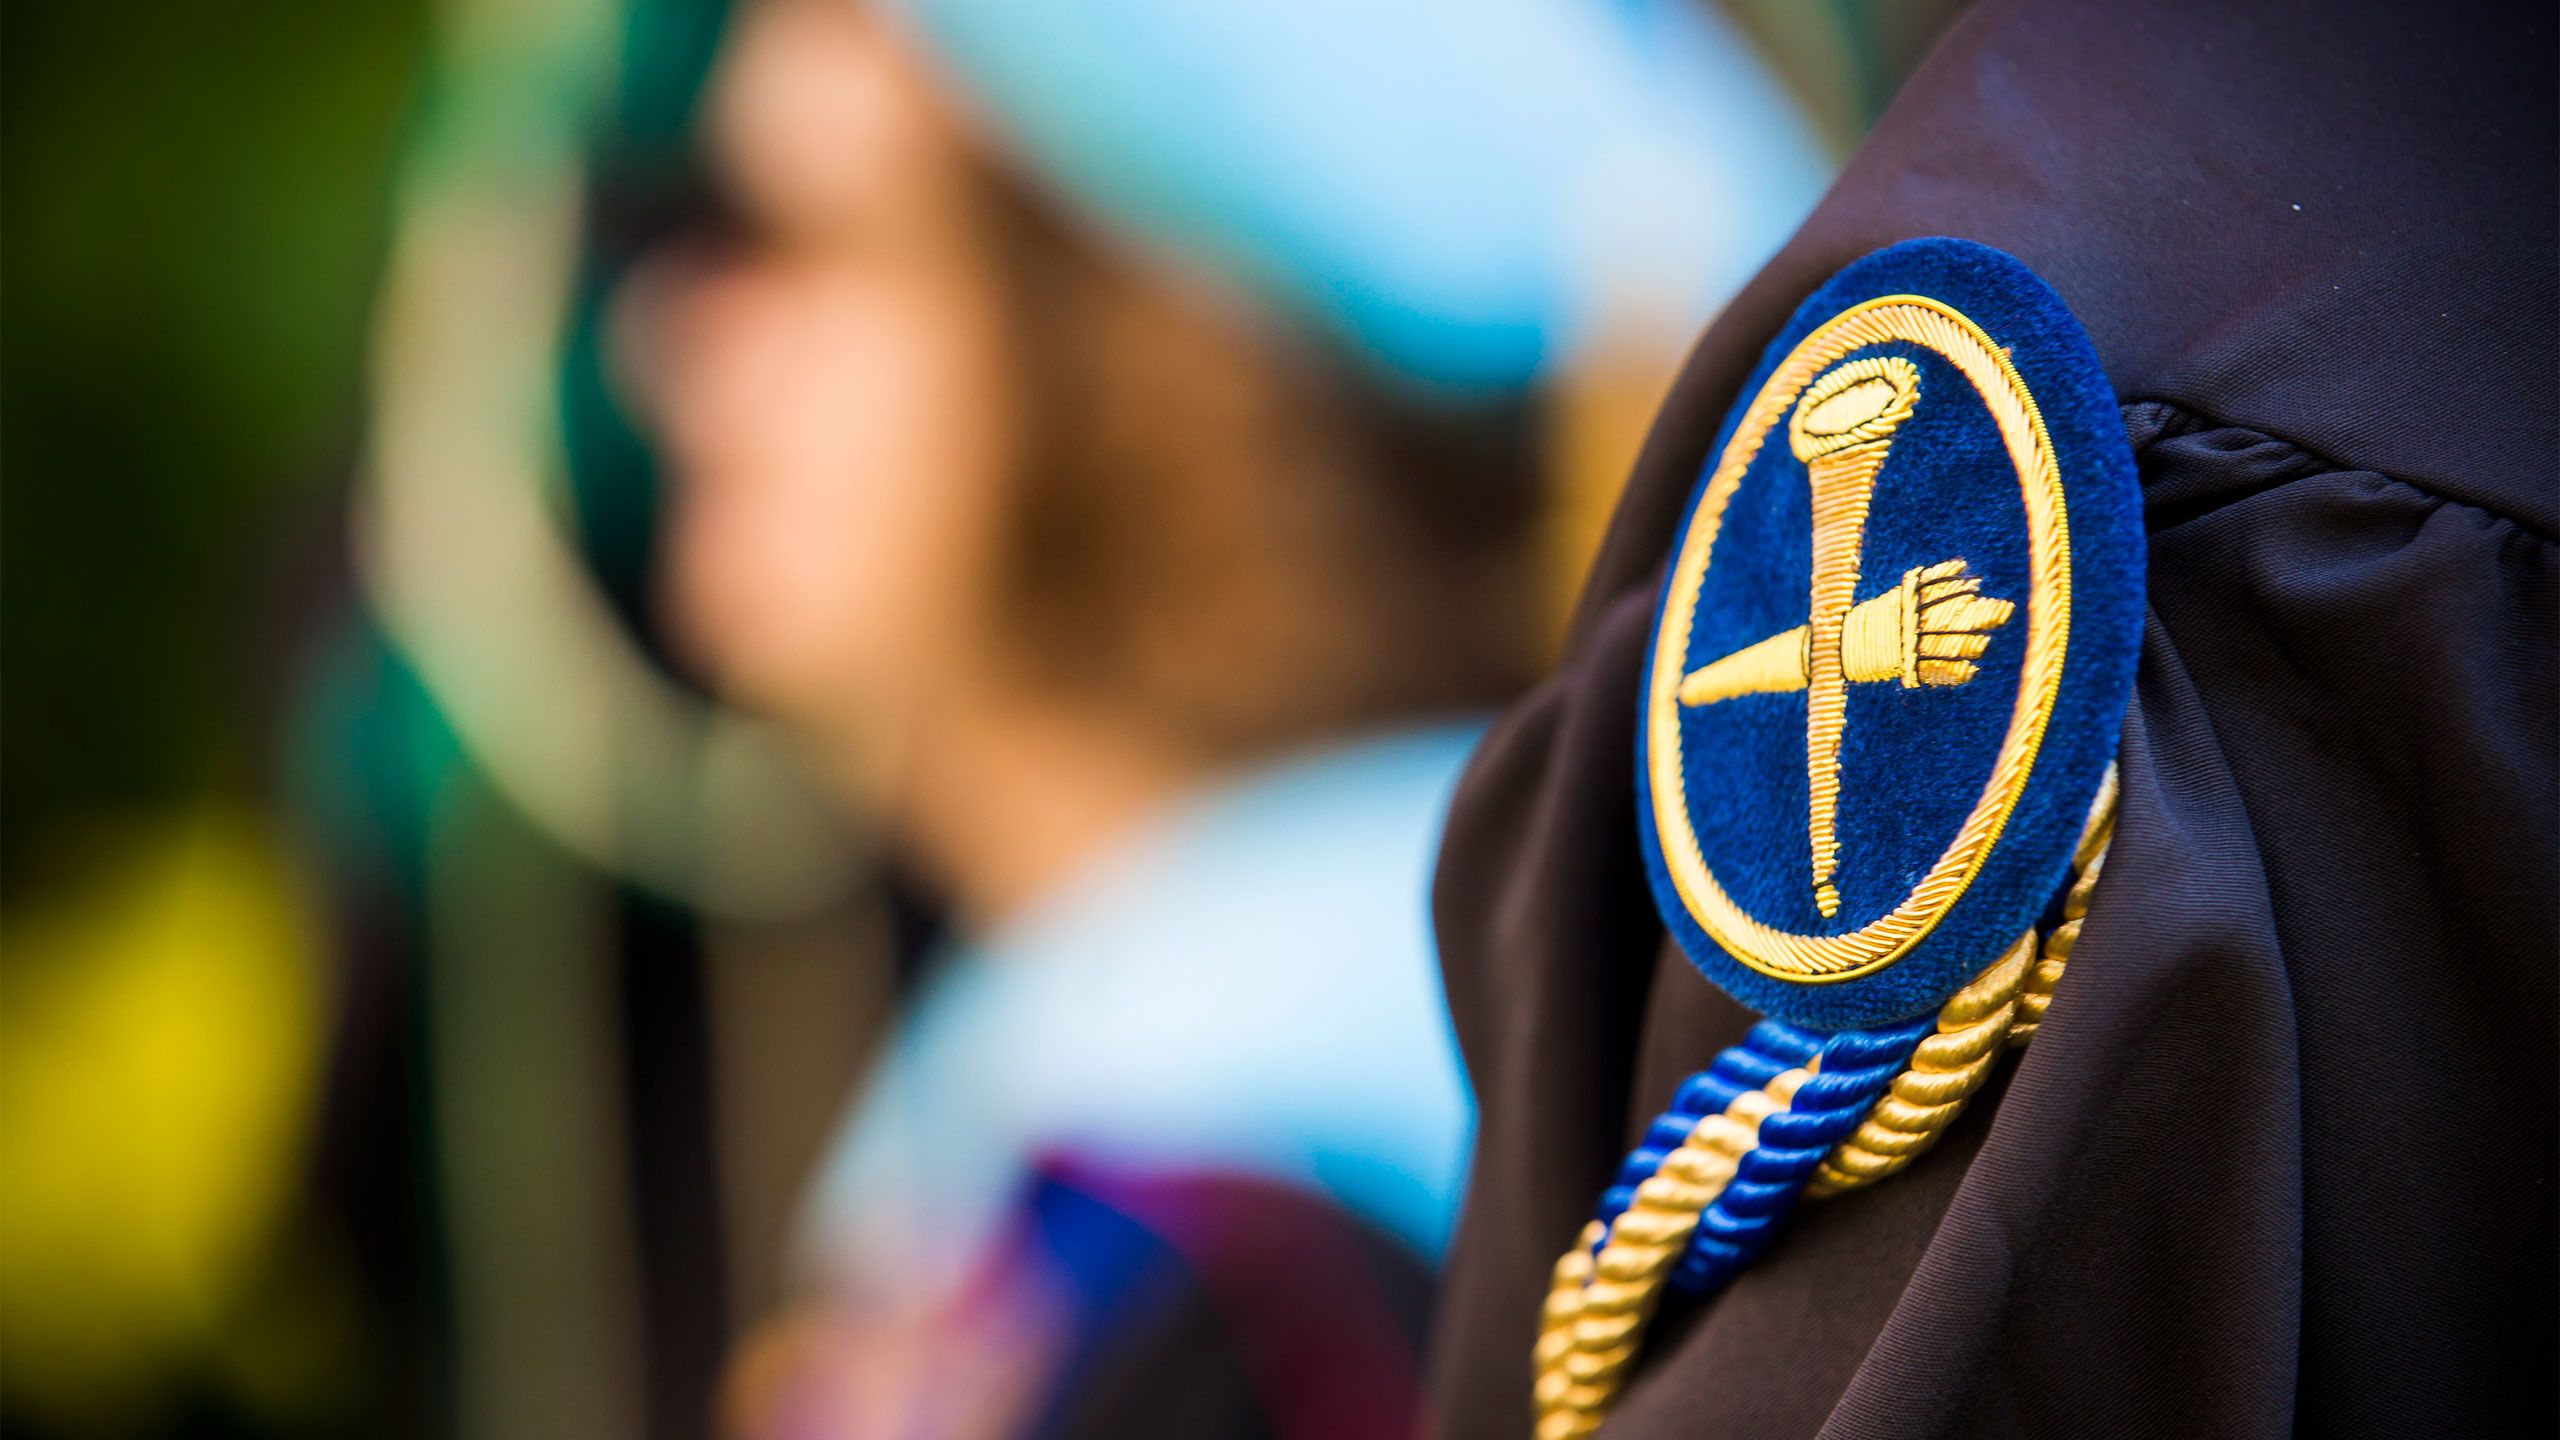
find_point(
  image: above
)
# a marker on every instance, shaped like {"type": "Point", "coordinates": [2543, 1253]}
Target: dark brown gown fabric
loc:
{"type": "Point", "coordinates": [2281, 1159]}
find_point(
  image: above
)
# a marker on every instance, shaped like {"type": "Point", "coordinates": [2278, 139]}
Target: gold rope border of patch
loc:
{"type": "Point", "coordinates": [1826, 959]}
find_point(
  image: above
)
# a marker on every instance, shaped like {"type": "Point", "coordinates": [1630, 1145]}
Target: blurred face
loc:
{"type": "Point", "coordinates": [834, 401]}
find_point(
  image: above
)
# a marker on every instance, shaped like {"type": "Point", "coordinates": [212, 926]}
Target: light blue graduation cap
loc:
{"type": "Point", "coordinates": [1467, 190]}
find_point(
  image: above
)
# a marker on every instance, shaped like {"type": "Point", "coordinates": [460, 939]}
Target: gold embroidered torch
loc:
{"type": "Point", "coordinates": [1928, 630]}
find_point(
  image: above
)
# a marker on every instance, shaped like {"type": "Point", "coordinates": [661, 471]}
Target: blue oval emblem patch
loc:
{"type": "Point", "coordinates": [1895, 643]}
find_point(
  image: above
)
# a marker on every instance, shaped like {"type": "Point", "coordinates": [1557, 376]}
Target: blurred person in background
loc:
{"type": "Point", "coordinates": [1140, 599]}
{"type": "Point", "coordinates": [417, 1006]}
{"type": "Point", "coordinates": [1063, 560]}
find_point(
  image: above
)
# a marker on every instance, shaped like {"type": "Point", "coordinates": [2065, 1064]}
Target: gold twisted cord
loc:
{"type": "Point", "coordinates": [1998, 1011]}
{"type": "Point", "coordinates": [2091, 858]}
{"type": "Point", "coordinates": [1932, 1089]}
{"type": "Point", "coordinates": [1597, 1307]}
{"type": "Point", "coordinates": [1555, 1335]}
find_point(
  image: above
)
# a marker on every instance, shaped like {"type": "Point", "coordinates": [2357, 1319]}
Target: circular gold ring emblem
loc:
{"type": "Point", "coordinates": [1844, 417]}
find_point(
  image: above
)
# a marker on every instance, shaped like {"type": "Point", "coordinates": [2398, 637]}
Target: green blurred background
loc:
{"type": "Point", "coordinates": [197, 206]}
{"type": "Point", "coordinates": [196, 202]}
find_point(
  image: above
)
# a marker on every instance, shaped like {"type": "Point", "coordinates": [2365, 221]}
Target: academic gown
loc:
{"type": "Point", "coordinates": [2281, 1158]}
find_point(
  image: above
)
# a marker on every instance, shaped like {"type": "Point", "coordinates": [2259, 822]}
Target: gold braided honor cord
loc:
{"type": "Point", "coordinates": [1999, 1010]}
{"type": "Point", "coordinates": [1597, 1307]}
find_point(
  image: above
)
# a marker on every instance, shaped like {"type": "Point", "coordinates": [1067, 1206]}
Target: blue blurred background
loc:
{"type": "Point", "coordinates": [491, 829]}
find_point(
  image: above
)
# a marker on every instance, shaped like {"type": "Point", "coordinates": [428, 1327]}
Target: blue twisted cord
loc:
{"type": "Point", "coordinates": [1857, 1067]}
{"type": "Point", "coordinates": [1771, 1047]}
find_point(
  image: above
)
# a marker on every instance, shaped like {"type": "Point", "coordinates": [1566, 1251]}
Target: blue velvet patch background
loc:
{"type": "Point", "coordinates": [1913, 762]}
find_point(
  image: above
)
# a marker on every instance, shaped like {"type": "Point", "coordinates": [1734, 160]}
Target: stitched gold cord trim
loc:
{"type": "Point", "coordinates": [1948, 623]}
{"type": "Point", "coordinates": [1926, 631]}
{"type": "Point", "coordinates": [1842, 430]}
{"type": "Point", "coordinates": [1774, 666]}
{"type": "Point", "coordinates": [1816, 959]}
